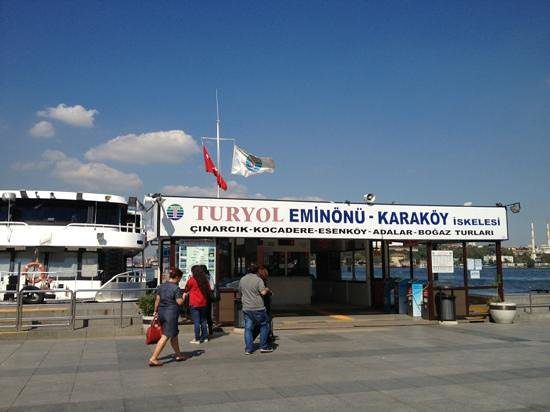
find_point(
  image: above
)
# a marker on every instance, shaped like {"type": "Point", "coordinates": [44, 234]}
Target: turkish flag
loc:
{"type": "Point", "coordinates": [210, 167]}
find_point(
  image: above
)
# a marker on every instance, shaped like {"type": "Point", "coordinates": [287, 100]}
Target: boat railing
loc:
{"type": "Point", "coordinates": [129, 227]}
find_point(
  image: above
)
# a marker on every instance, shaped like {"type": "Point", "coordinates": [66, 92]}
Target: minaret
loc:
{"type": "Point", "coordinates": [533, 249]}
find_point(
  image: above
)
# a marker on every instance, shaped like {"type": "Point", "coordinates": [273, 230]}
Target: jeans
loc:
{"type": "Point", "coordinates": [251, 319]}
{"type": "Point", "coordinates": [199, 321]}
{"type": "Point", "coordinates": [209, 318]}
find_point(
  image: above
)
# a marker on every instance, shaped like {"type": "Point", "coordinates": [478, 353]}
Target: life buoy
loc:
{"type": "Point", "coordinates": [38, 276]}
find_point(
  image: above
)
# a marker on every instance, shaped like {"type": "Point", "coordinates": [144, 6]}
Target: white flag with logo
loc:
{"type": "Point", "coordinates": [247, 164]}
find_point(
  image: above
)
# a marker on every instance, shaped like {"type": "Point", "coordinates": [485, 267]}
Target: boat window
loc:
{"type": "Point", "coordinates": [109, 213]}
{"type": "Point", "coordinates": [5, 258]}
{"type": "Point", "coordinates": [63, 264]}
{"type": "Point", "coordinates": [49, 211]}
{"type": "Point", "coordinates": [89, 265]}
{"type": "Point", "coordinates": [26, 257]}
{"type": "Point", "coordinates": [3, 211]}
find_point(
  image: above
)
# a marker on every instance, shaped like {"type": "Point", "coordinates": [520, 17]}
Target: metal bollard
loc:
{"type": "Point", "coordinates": [121, 307]}
{"type": "Point", "coordinates": [73, 309]}
{"type": "Point", "coordinates": [19, 313]}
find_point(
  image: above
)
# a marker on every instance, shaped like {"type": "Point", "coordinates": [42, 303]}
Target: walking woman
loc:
{"type": "Point", "coordinates": [199, 290]}
{"type": "Point", "coordinates": [169, 297]}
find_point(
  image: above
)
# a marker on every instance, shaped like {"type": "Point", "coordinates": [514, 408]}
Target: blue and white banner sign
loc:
{"type": "Point", "coordinates": [207, 217]}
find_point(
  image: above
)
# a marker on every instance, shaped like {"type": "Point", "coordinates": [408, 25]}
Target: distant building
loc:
{"type": "Point", "coordinates": [491, 259]}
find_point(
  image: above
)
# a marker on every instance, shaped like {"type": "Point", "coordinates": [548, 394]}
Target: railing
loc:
{"type": "Point", "coordinates": [121, 316]}
{"type": "Point", "coordinates": [121, 228]}
{"type": "Point", "coordinates": [59, 275]}
{"type": "Point", "coordinates": [130, 227]}
{"type": "Point", "coordinates": [67, 321]}
{"type": "Point", "coordinates": [531, 304]}
{"type": "Point", "coordinates": [19, 319]}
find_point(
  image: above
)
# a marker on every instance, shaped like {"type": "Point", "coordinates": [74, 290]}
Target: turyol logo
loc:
{"type": "Point", "coordinates": [174, 212]}
{"type": "Point", "coordinates": [253, 163]}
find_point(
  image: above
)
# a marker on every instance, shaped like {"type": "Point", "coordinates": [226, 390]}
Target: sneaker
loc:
{"type": "Point", "coordinates": [195, 342]}
{"type": "Point", "coordinates": [248, 353]}
{"type": "Point", "coordinates": [206, 340]}
{"type": "Point", "coordinates": [268, 350]}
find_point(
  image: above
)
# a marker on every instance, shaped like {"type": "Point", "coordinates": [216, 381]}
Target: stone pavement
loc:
{"type": "Point", "coordinates": [463, 367]}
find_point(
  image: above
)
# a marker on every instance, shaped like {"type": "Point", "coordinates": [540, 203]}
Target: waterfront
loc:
{"type": "Point", "coordinates": [516, 280]}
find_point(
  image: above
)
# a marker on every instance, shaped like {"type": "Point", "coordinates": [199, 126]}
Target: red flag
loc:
{"type": "Point", "coordinates": [210, 167]}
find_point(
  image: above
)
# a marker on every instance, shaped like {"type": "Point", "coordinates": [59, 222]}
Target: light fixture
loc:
{"type": "Point", "coordinates": [369, 198]}
{"type": "Point", "coordinates": [107, 197]}
{"type": "Point", "coordinates": [8, 196]}
{"type": "Point", "coordinates": [514, 207]}
{"type": "Point", "coordinates": [132, 202]}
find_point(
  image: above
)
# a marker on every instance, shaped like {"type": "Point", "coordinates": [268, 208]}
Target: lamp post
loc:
{"type": "Point", "coordinates": [514, 208]}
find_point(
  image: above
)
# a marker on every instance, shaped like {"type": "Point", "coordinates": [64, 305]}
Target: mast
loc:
{"type": "Point", "coordinates": [218, 139]}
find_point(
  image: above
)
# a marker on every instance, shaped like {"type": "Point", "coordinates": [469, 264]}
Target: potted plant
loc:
{"type": "Point", "coordinates": [502, 312]}
{"type": "Point", "coordinates": [147, 306]}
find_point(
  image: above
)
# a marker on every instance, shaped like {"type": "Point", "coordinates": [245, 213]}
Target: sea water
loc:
{"type": "Point", "coordinates": [516, 280]}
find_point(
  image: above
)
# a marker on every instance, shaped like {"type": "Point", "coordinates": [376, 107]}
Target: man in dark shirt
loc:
{"type": "Point", "coordinates": [252, 290]}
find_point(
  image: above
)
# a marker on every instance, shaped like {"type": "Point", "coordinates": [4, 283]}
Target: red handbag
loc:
{"type": "Point", "coordinates": [154, 332]}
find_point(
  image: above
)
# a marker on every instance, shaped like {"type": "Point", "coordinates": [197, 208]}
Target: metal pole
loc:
{"type": "Point", "coordinates": [121, 306]}
{"type": "Point", "coordinates": [370, 270]}
{"type": "Point", "coordinates": [500, 281]}
{"type": "Point", "coordinates": [73, 309]}
{"type": "Point", "coordinates": [218, 139]}
{"type": "Point", "coordinates": [411, 263]}
{"type": "Point", "coordinates": [19, 313]}
{"type": "Point", "coordinates": [431, 312]}
{"type": "Point", "coordinates": [465, 273]}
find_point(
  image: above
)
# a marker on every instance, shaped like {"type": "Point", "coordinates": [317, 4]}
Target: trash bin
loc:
{"type": "Point", "coordinates": [238, 313]}
{"type": "Point", "coordinates": [446, 305]}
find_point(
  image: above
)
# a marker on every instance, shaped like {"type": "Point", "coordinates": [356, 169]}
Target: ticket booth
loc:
{"type": "Point", "coordinates": [314, 251]}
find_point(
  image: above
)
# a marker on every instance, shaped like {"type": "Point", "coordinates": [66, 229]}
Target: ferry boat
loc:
{"type": "Point", "coordinates": [68, 241]}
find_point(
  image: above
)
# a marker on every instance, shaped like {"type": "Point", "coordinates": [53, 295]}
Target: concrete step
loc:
{"type": "Point", "coordinates": [333, 322]}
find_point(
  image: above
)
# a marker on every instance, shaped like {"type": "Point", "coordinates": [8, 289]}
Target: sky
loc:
{"type": "Point", "coordinates": [428, 102]}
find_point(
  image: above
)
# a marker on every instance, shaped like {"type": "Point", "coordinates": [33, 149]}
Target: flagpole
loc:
{"type": "Point", "coordinates": [218, 138]}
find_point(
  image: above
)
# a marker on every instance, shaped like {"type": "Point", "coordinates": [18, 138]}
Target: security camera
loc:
{"type": "Point", "coordinates": [369, 198]}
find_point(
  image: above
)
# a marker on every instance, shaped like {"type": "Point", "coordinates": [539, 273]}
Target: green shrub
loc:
{"type": "Point", "coordinates": [147, 304]}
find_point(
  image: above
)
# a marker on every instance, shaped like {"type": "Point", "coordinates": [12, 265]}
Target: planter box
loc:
{"type": "Point", "coordinates": [502, 312]}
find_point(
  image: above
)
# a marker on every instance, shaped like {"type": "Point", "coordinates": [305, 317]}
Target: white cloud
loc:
{"type": "Point", "coordinates": [73, 115]}
{"type": "Point", "coordinates": [30, 165]}
{"type": "Point", "coordinates": [87, 176]}
{"type": "Point", "coordinates": [42, 129]}
{"type": "Point", "coordinates": [173, 146]}
{"type": "Point", "coordinates": [234, 190]}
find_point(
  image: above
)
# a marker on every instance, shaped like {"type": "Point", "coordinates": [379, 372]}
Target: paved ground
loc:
{"type": "Point", "coordinates": [464, 367]}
